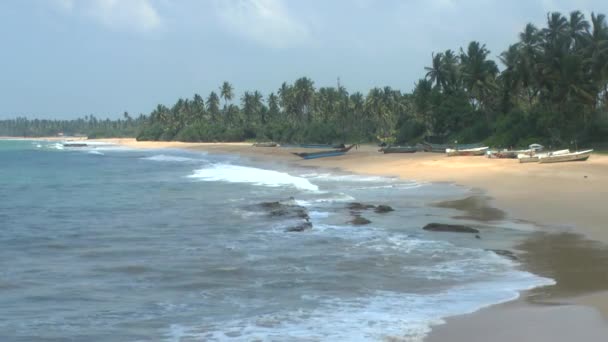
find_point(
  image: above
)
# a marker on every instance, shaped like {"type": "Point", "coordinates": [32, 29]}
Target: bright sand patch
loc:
{"type": "Point", "coordinates": [562, 197]}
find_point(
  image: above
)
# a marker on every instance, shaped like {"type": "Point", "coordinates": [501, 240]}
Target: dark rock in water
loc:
{"type": "Point", "coordinates": [360, 221]}
{"type": "Point", "coordinates": [454, 228]}
{"type": "Point", "coordinates": [504, 252]}
{"type": "Point", "coordinates": [300, 227]}
{"type": "Point", "coordinates": [477, 236]}
{"type": "Point", "coordinates": [381, 209]}
{"type": "Point", "coordinates": [360, 206]}
{"type": "Point", "coordinates": [289, 210]}
{"type": "Point", "coordinates": [285, 209]}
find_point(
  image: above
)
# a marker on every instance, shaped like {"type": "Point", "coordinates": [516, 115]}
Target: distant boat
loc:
{"type": "Point", "coordinates": [70, 144]}
{"type": "Point", "coordinates": [398, 149]}
{"type": "Point", "coordinates": [337, 146]}
{"type": "Point", "coordinates": [441, 148]}
{"type": "Point", "coordinates": [478, 151]}
{"type": "Point", "coordinates": [565, 157]}
{"type": "Point", "coordinates": [509, 154]}
{"type": "Point", "coordinates": [533, 157]}
{"type": "Point", "coordinates": [323, 154]}
{"type": "Point", "coordinates": [265, 144]}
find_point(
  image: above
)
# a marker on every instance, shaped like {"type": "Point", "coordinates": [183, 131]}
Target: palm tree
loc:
{"type": "Point", "coordinates": [577, 28]}
{"type": "Point", "coordinates": [530, 51]}
{"type": "Point", "coordinates": [435, 71]}
{"type": "Point", "coordinates": [213, 105]}
{"type": "Point", "coordinates": [304, 93]}
{"type": "Point", "coordinates": [478, 73]}
{"type": "Point", "coordinates": [226, 92]}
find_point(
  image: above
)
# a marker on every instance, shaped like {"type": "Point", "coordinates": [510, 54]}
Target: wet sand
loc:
{"type": "Point", "coordinates": [567, 201]}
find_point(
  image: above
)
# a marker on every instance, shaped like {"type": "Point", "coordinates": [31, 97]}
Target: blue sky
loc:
{"type": "Point", "coordinates": [70, 58]}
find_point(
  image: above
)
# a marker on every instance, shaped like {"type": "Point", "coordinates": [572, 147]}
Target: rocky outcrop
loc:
{"type": "Point", "coordinates": [453, 228]}
{"type": "Point", "coordinates": [356, 206]}
{"type": "Point", "coordinates": [289, 210]}
{"type": "Point", "coordinates": [381, 209]}
{"type": "Point", "coordinates": [359, 221]}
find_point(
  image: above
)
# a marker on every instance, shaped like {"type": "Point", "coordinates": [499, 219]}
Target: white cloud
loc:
{"type": "Point", "coordinates": [136, 15]}
{"type": "Point", "coordinates": [267, 22]}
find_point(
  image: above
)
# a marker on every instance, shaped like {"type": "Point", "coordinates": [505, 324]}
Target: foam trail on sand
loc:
{"type": "Point", "coordinates": [243, 174]}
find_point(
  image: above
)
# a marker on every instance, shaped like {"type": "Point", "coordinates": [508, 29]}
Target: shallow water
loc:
{"type": "Point", "coordinates": [112, 244]}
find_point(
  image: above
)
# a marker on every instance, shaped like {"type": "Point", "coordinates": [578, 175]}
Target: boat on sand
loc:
{"type": "Point", "coordinates": [265, 144]}
{"type": "Point", "coordinates": [479, 151]}
{"type": "Point", "coordinates": [398, 149]}
{"type": "Point", "coordinates": [323, 154]}
{"type": "Point", "coordinates": [533, 157]}
{"type": "Point", "coordinates": [565, 157]}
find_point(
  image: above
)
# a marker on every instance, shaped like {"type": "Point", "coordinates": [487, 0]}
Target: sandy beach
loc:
{"type": "Point", "coordinates": [565, 201]}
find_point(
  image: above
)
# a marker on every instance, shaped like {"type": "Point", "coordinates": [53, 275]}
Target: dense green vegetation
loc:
{"type": "Point", "coordinates": [89, 126]}
{"type": "Point", "coordinates": [551, 87]}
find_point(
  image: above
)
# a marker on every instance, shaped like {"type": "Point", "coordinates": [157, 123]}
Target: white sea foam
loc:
{"type": "Point", "coordinates": [95, 152]}
{"type": "Point", "coordinates": [382, 315]}
{"type": "Point", "coordinates": [243, 174]}
{"type": "Point", "coordinates": [170, 158]}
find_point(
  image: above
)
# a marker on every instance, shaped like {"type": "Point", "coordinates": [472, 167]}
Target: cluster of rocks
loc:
{"type": "Point", "coordinates": [289, 210]}
{"type": "Point", "coordinates": [356, 210]}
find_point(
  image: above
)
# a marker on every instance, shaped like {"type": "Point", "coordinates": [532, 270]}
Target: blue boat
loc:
{"type": "Point", "coordinates": [323, 154]}
{"type": "Point", "coordinates": [312, 146]}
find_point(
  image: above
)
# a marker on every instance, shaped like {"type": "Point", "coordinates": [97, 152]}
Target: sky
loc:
{"type": "Point", "coordinates": [70, 58]}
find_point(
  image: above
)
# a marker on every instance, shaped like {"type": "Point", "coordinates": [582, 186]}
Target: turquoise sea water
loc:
{"type": "Point", "coordinates": [112, 244]}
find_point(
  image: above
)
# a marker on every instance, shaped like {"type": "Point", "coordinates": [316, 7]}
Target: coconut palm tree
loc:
{"type": "Point", "coordinates": [226, 92]}
{"type": "Point", "coordinates": [478, 73]}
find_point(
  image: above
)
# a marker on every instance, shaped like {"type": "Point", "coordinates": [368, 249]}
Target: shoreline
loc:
{"type": "Point", "coordinates": [563, 200]}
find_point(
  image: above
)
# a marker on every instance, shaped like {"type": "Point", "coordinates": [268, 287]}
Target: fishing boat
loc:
{"type": "Point", "coordinates": [478, 151]}
{"type": "Point", "coordinates": [337, 146]}
{"type": "Point", "coordinates": [323, 154]}
{"type": "Point", "coordinates": [533, 157]}
{"type": "Point", "coordinates": [441, 148]}
{"type": "Point", "coordinates": [265, 144]}
{"type": "Point", "coordinates": [398, 149]}
{"type": "Point", "coordinates": [565, 157]}
{"type": "Point", "coordinates": [508, 154]}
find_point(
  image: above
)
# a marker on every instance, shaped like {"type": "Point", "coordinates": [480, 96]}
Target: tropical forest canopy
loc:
{"type": "Point", "coordinates": [550, 86]}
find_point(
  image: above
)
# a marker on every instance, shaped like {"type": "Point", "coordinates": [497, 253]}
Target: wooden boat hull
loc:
{"type": "Point", "coordinates": [441, 148]}
{"type": "Point", "coordinates": [568, 157]}
{"type": "Point", "coordinates": [471, 152]}
{"type": "Point", "coordinates": [398, 149]}
{"type": "Point", "coordinates": [323, 154]}
{"type": "Point", "coordinates": [265, 145]}
{"type": "Point", "coordinates": [338, 146]}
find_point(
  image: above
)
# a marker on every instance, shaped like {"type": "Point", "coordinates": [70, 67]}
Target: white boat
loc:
{"type": "Point", "coordinates": [535, 157]}
{"type": "Point", "coordinates": [508, 153]}
{"type": "Point", "coordinates": [479, 151]}
{"type": "Point", "coordinates": [565, 157]}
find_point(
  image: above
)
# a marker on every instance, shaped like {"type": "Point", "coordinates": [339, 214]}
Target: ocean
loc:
{"type": "Point", "coordinates": [107, 243]}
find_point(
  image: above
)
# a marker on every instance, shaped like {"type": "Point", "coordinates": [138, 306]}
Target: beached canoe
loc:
{"type": "Point", "coordinates": [441, 148]}
{"type": "Point", "coordinates": [323, 154]}
{"type": "Point", "coordinates": [565, 157]}
{"type": "Point", "coordinates": [337, 146]}
{"type": "Point", "coordinates": [398, 149]}
{"type": "Point", "coordinates": [265, 144]}
{"type": "Point", "coordinates": [479, 151]}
